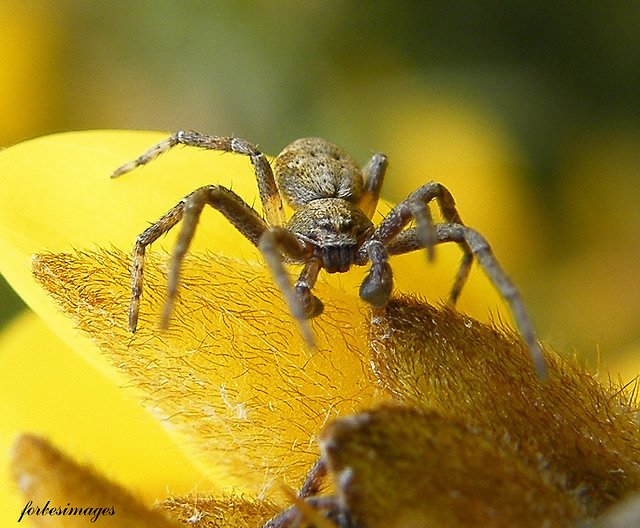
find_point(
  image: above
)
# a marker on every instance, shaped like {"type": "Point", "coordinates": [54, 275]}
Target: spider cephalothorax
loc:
{"type": "Point", "coordinates": [331, 228]}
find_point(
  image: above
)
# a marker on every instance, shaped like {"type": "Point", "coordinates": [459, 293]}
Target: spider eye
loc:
{"type": "Point", "coordinates": [339, 225]}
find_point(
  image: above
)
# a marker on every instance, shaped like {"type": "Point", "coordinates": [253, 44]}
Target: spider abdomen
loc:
{"type": "Point", "coordinates": [312, 168]}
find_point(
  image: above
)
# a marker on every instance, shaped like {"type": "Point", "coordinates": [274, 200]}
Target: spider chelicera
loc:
{"type": "Point", "coordinates": [333, 201]}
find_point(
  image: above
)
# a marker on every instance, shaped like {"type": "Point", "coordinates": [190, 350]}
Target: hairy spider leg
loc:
{"type": "Point", "coordinates": [276, 243]}
{"type": "Point", "coordinates": [409, 240]}
{"type": "Point", "coordinates": [321, 512]}
{"type": "Point", "coordinates": [313, 480]}
{"type": "Point", "coordinates": [306, 281]}
{"type": "Point", "coordinates": [415, 207]}
{"type": "Point", "coordinates": [324, 512]}
{"type": "Point", "coordinates": [148, 236]}
{"type": "Point", "coordinates": [243, 217]}
{"type": "Point", "coordinates": [373, 172]}
{"type": "Point", "coordinates": [310, 488]}
{"type": "Point", "coordinates": [267, 188]}
{"type": "Point", "coordinates": [377, 285]}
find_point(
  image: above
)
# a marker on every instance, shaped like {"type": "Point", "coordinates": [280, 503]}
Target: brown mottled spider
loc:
{"type": "Point", "coordinates": [331, 227]}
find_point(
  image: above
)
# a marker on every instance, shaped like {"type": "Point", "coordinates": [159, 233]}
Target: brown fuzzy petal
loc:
{"type": "Point", "coordinates": [398, 466]}
{"type": "Point", "coordinates": [584, 437]}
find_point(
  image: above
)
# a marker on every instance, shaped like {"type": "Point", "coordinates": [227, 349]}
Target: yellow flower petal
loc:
{"type": "Point", "coordinates": [46, 388]}
{"type": "Point", "coordinates": [32, 64]}
{"type": "Point", "coordinates": [220, 512]}
{"type": "Point", "coordinates": [232, 375]}
{"type": "Point", "coordinates": [62, 492]}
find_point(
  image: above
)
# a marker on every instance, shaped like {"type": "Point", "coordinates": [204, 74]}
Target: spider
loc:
{"type": "Point", "coordinates": [331, 228]}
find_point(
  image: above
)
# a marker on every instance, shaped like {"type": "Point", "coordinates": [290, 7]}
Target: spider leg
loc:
{"type": "Point", "coordinates": [461, 275]}
{"type": "Point", "coordinates": [377, 285]}
{"type": "Point", "coordinates": [374, 172]}
{"type": "Point", "coordinates": [311, 486]}
{"type": "Point", "coordinates": [450, 213]}
{"type": "Point", "coordinates": [313, 480]}
{"type": "Point", "coordinates": [276, 244]}
{"type": "Point", "coordinates": [415, 207]}
{"type": "Point", "coordinates": [405, 242]}
{"type": "Point", "coordinates": [305, 283]}
{"type": "Point", "coordinates": [269, 194]}
{"type": "Point", "coordinates": [409, 241]}
{"type": "Point", "coordinates": [243, 217]}
{"type": "Point", "coordinates": [321, 512]}
{"type": "Point", "coordinates": [148, 236]}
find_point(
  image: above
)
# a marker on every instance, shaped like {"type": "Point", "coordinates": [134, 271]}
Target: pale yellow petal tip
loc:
{"type": "Point", "coordinates": [26, 460]}
{"type": "Point", "coordinates": [60, 492]}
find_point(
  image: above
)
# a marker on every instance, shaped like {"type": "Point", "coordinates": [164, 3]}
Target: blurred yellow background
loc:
{"type": "Point", "coordinates": [526, 111]}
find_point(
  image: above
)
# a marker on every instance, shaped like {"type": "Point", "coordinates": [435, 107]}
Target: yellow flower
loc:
{"type": "Point", "coordinates": [238, 397]}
